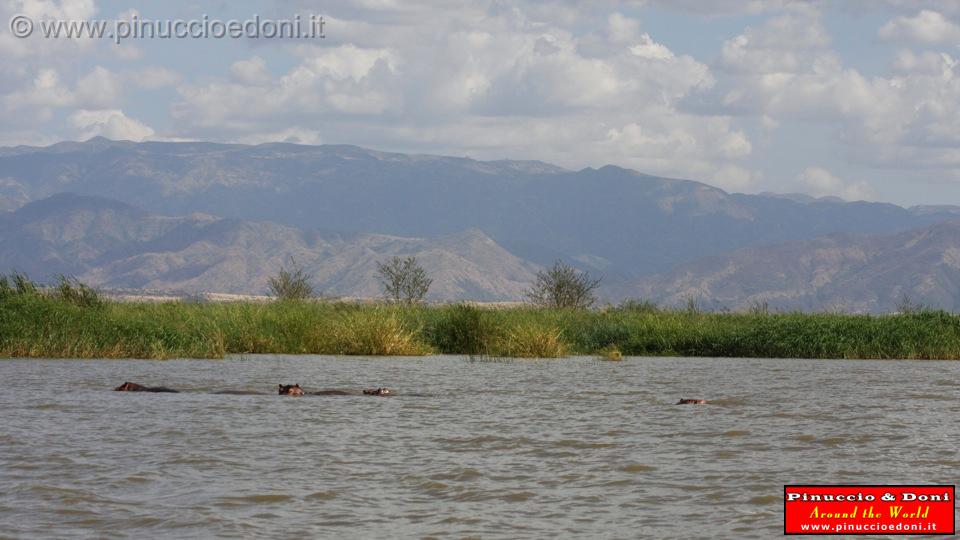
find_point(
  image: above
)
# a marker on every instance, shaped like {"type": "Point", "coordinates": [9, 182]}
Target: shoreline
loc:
{"type": "Point", "coordinates": [451, 357]}
{"type": "Point", "coordinates": [43, 326]}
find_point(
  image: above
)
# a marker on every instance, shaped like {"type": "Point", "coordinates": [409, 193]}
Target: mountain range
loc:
{"type": "Point", "coordinates": [222, 217]}
{"type": "Point", "coordinates": [616, 221]}
{"type": "Point", "coordinates": [841, 272]}
{"type": "Point", "coordinates": [114, 245]}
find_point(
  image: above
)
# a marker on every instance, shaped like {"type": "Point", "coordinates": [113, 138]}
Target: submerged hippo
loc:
{"type": "Point", "coordinates": [692, 402]}
{"type": "Point", "coordinates": [377, 392]}
{"type": "Point", "coordinates": [134, 387]}
{"type": "Point", "coordinates": [290, 390]}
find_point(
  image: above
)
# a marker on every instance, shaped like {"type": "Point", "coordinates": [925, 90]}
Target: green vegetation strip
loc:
{"type": "Point", "coordinates": [69, 322]}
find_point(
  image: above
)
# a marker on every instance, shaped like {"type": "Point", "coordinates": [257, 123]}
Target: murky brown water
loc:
{"type": "Point", "coordinates": [525, 449]}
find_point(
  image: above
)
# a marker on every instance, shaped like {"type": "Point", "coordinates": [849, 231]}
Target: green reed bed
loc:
{"type": "Point", "coordinates": [63, 323]}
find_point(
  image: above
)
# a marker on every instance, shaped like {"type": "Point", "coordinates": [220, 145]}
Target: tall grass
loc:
{"type": "Point", "coordinates": [376, 331]}
{"type": "Point", "coordinates": [464, 329]}
{"type": "Point", "coordinates": [68, 320]}
{"type": "Point", "coordinates": [73, 291]}
{"type": "Point", "coordinates": [533, 340]}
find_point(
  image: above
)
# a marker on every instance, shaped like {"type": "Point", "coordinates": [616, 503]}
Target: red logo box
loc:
{"type": "Point", "coordinates": [861, 510]}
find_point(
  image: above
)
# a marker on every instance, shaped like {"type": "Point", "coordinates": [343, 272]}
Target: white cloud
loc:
{"type": "Point", "coordinates": [109, 123]}
{"type": "Point", "coordinates": [622, 29]}
{"type": "Point", "coordinates": [574, 82]}
{"type": "Point", "coordinates": [820, 182]}
{"type": "Point", "coordinates": [502, 84]}
{"type": "Point", "coordinates": [907, 119]}
{"type": "Point", "coordinates": [99, 88]}
{"type": "Point", "coordinates": [340, 80]}
{"type": "Point", "coordinates": [251, 71]}
{"type": "Point", "coordinates": [911, 6]}
{"type": "Point", "coordinates": [725, 7]}
{"type": "Point", "coordinates": [661, 140]}
{"type": "Point", "coordinates": [54, 52]}
{"type": "Point", "coordinates": [38, 74]}
{"type": "Point", "coordinates": [926, 63]}
{"type": "Point", "coordinates": [647, 48]}
{"type": "Point", "coordinates": [346, 62]}
{"type": "Point", "coordinates": [759, 7]}
{"type": "Point", "coordinates": [784, 44]}
{"type": "Point", "coordinates": [927, 26]}
{"type": "Point", "coordinates": [63, 9]}
{"type": "Point", "coordinates": [45, 91]}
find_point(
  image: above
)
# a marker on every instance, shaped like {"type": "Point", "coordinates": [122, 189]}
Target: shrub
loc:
{"type": "Point", "coordinates": [404, 280]}
{"type": "Point", "coordinates": [291, 285]}
{"type": "Point", "coordinates": [563, 286]}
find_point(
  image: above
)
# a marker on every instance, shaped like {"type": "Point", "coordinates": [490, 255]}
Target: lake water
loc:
{"type": "Point", "coordinates": [518, 449]}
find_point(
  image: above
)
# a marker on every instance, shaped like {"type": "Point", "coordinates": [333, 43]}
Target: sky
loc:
{"type": "Point", "coordinates": [858, 99]}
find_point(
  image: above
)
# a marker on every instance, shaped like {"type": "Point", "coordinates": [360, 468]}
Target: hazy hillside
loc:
{"type": "Point", "coordinates": [842, 272]}
{"type": "Point", "coordinates": [617, 221]}
{"type": "Point", "coordinates": [112, 244]}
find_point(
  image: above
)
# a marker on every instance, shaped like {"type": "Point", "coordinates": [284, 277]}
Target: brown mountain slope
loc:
{"type": "Point", "coordinates": [837, 272]}
{"type": "Point", "coordinates": [619, 222]}
{"type": "Point", "coordinates": [111, 244]}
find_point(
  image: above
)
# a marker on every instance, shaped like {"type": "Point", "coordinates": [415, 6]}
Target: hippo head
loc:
{"type": "Point", "coordinates": [692, 402]}
{"type": "Point", "coordinates": [130, 387]}
{"type": "Point", "coordinates": [377, 391]}
{"type": "Point", "coordinates": [290, 390]}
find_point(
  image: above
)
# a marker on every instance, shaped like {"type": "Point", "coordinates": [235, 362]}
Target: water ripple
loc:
{"type": "Point", "coordinates": [466, 450]}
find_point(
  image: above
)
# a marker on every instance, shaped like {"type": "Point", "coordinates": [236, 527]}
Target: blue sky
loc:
{"type": "Point", "coordinates": [852, 98]}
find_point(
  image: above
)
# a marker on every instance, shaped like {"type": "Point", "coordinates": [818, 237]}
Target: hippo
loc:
{"type": "Point", "coordinates": [134, 387]}
{"type": "Point", "coordinates": [692, 402]}
{"type": "Point", "coordinates": [290, 390]}
{"type": "Point", "coordinates": [377, 392]}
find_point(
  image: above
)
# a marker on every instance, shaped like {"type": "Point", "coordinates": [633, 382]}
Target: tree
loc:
{"type": "Point", "coordinates": [404, 280]}
{"type": "Point", "coordinates": [563, 286]}
{"type": "Point", "coordinates": [291, 285]}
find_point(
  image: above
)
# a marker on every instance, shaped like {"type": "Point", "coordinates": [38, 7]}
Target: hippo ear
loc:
{"type": "Point", "coordinates": [279, 386]}
{"type": "Point", "coordinates": [296, 385]}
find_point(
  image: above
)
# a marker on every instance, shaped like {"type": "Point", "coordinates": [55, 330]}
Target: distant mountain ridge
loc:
{"type": "Point", "coordinates": [839, 272]}
{"type": "Point", "coordinates": [112, 244]}
{"type": "Point", "coordinates": [610, 220]}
